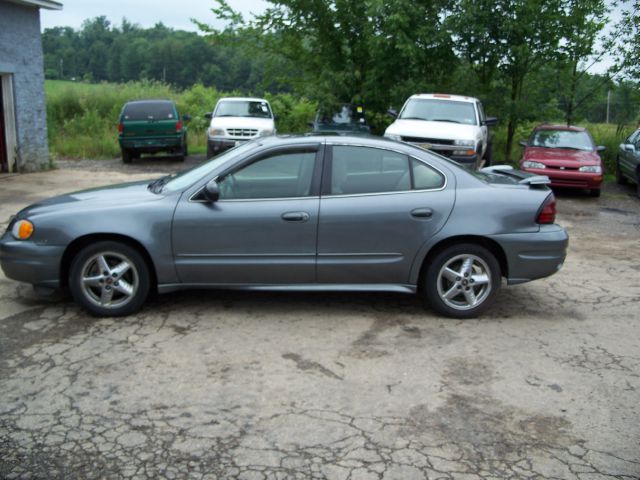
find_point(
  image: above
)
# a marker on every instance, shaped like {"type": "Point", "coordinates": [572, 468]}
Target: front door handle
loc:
{"type": "Point", "coordinates": [422, 212]}
{"type": "Point", "coordinates": [295, 216]}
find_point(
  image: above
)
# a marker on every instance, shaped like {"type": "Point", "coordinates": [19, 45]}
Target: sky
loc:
{"type": "Point", "coordinates": [146, 13]}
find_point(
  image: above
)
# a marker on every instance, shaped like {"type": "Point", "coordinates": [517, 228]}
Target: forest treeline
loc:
{"type": "Point", "coordinates": [528, 60]}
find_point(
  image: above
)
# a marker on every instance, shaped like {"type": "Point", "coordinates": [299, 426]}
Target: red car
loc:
{"type": "Point", "coordinates": [565, 154]}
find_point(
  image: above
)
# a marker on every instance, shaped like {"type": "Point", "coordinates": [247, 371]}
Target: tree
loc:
{"type": "Point", "coordinates": [624, 42]}
{"type": "Point", "coordinates": [512, 39]}
{"type": "Point", "coordinates": [364, 51]}
{"type": "Point", "coordinates": [583, 20]}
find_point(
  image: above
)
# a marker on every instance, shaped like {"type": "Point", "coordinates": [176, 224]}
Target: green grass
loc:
{"type": "Point", "coordinates": [82, 119]}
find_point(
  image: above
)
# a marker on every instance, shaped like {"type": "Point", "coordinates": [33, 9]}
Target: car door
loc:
{"type": "Point", "coordinates": [263, 228]}
{"type": "Point", "coordinates": [627, 157]}
{"type": "Point", "coordinates": [377, 209]}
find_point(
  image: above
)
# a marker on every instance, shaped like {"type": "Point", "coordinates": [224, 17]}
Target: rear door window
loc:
{"type": "Point", "coordinates": [359, 170]}
{"type": "Point", "coordinates": [149, 111]}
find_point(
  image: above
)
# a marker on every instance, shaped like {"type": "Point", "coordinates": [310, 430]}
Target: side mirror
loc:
{"type": "Point", "coordinates": [600, 148]}
{"type": "Point", "coordinates": [522, 143]}
{"type": "Point", "coordinates": [629, 147]}
{"type": "Point", "coordinates": [186, 118]}
{"type": "Point", "coordinates": [392, 112]}
{"type": "Point", "coordinates": [490, 121]}
{"type": "Point", "coordinates": [208, 115]}
{"type": "Point", "coordinates": [276, 118]}
{"type": "Point", "coordinates": [212, 191]}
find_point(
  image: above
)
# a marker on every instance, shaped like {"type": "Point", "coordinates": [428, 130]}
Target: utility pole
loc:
{"type": "Point", "coordinates": [608, 104]}
{"type": "Point", "coordinates": [61, 69]}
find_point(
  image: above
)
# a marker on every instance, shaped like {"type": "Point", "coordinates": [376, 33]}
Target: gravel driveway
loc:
{"type": "Point", "coordinates": [351, 386]}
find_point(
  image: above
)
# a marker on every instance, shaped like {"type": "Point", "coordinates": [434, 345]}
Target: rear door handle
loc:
{"type": "Point", "coordinates": [422, 212]}
{"type": "Point", "coordinates": [295, 216]}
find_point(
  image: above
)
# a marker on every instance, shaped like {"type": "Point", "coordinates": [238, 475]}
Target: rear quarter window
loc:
{"type": "Point", "coordinates": [149, 111]}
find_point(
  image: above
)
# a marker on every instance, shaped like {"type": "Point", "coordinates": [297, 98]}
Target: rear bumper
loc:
{"type": "Point", "coordinates": [151, 144]}
{"type": "Point", "coordinates": [569, 178]}
{"type": "Point", "coordinates": [31, 263]}
{"type": "Point", "coordinates": [534, 255]}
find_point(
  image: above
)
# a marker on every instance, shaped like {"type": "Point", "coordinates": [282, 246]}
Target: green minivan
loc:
{"type": "Point", "coordinates": [150, 126]}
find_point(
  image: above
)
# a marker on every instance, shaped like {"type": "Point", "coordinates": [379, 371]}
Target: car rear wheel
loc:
{"type": "Point", "coordinates": [620, 178]}
{"type": "Point", "coordinates": [126, 155]}
{"type": "Point", "coordinates": [109, 279]}
{"type": "Point", "coordinates": [462, 280]}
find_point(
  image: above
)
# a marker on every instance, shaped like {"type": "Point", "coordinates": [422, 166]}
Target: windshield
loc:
{"type": "Point", "coordinates": [340, 115]}
{"type": "Point", "coordinates": [240, 108]}
{"type": "Point", "coordinates": [562, 139]}
{"type": "Point", "coordinates": [437, 110]}
{"type": "Point", "coordinates": [148, 111]}
{"type": "Point", "coordinates": [186, 178]}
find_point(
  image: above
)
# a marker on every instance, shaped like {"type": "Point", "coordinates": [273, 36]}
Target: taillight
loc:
{"type": "Point", "coordinates": [120, 127]}
{"type": "Point", "coordinates": [179, 126]}
{"type": "Point", "coordinates": [547, 213]}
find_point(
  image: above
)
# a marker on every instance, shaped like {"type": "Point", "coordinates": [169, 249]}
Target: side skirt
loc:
{"type": "Point", "coordinates": [305, 287]}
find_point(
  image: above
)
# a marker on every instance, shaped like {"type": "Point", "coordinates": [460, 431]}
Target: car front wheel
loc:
{"type": "Point", "coordinates": [462, 281]}
{"type": "Point", "coordinates": [109, 278]}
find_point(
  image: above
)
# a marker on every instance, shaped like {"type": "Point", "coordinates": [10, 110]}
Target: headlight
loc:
{"type": "Point", "coordinates": [530, 164]}
{"type": "Point", "coordinates": [466, 143]}
{"type": "Point", "coordinates": [591, 169]}
{"type": "Point", "coordinates": [216, 132]}
{"type": "Point", "coordinates": [22, 230]}
{"type": "Point", "coordinates": [391, 136]}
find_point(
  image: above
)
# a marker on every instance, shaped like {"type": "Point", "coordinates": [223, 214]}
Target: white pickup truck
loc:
{"type": "Point", "coordinates": [451, 125]}
{"type": "Point", "coordinates": [235, 120]}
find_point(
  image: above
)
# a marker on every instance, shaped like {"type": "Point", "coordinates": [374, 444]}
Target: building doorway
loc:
{"type": "Point", "coordinates": [4, 161]}
{"type": "Point", "coordinates": [8, 141]}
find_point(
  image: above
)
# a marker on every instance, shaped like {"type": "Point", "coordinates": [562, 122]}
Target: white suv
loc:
{"type": "Point", "coordinates": [451, 125]}
{"type": "Point", "coordinates": [238, 119]}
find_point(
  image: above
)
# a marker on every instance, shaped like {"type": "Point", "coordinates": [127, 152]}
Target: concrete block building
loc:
{"type": "Point", "coordinates": [23, 127]}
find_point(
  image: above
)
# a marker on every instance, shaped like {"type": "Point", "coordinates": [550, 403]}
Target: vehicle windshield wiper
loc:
{"type": "Point", "coordinates": [414, 118]}
{"type": "Point", "coordinates": [156, 185]}
{"type": "Point", "coordinates": [444, 120]}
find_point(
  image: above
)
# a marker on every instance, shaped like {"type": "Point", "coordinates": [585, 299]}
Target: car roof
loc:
{"type": "Point", "coordinates": [445, 96]}
{"type": "Point", "coordinates": [151, 100]}
{"type": "Point", "coordinates": [355, 140]}
{"type": "Point", "coordinates": [243, 99]}
{"type": "Point", "coordinates": [568, 128]}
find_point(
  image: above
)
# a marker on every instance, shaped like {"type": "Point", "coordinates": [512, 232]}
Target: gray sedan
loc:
{"type": "Point", "coordinates": [298, 213]}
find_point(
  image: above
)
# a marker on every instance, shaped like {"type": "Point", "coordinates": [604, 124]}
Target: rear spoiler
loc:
{"type": "Point", "coordinates": [523, 178]}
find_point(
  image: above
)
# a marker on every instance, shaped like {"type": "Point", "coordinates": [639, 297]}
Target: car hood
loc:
{"type": "Point", "coordinates": [103, 197]}
{"type": "Point", "coordinates": [242, 122]}
{"type": "Point", "coordinates": [561, 156]}
{"type": "Point", "coordinates": [427, 129]}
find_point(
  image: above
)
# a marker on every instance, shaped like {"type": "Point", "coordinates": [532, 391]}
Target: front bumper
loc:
{"type": "Point", "coordinates": [28, 262]}
{"type": "Point", "coordinates": [534, 255]}
{"type": "Point", "coordinates": [569, 178]}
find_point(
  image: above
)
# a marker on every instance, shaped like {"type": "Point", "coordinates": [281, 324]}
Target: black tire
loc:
{"type": "Point", "coordinates": [488, 155]}
{"type": "Point", "coordinates": [594, 192]}
{"type": "Point", "coordinates": [185, 149]}
{"type": "Point", "coordinates": [437, 283]}
{"type": "Point", "coordinates": [620, 178]}
{"type": "Point", "coordinates": [126, 155]}
{"type": "Point", "coordinates": [210, 152]}
{"type": "Point", "coordinates": [108, 289]}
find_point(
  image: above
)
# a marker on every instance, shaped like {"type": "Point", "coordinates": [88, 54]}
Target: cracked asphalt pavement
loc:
{"type": "Point", "coordinates": [353, 386]}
